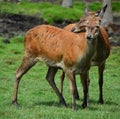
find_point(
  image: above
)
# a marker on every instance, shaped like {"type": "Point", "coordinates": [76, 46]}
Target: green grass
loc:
{"type": "Point", "coordinates": [52, 12]}
{"type": "Point", "coordinates": [38, 101]}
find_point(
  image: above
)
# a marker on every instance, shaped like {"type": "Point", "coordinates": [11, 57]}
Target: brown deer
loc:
{"type": "Point", "coordinates": [101, 54]}
{"type": "Point", "coordinates": [59, 48]}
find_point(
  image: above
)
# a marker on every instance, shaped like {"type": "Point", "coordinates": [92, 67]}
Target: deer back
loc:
{"type": "Point", "coordinates": [55, 46]}
{"type": "Point", "coordinates": [103, 46]}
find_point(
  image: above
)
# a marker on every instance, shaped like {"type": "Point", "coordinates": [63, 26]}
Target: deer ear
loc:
{"type": "Point", "coordinates": [86, 11]}
{"type": "Point", "coordinates": [101, 12]}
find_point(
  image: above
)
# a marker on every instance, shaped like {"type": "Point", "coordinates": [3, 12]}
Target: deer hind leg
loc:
{"type": "Point", "coordinates": [84, 80]}
{"type": "Point", "coordinates": [101, 70]}
{"type": "Point", "coordinates": [50, 78]}
{"type": "Point", "coordinates": [27, 63]}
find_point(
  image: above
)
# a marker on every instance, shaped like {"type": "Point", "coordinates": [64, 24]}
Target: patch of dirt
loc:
{"type": "Point", "coordinates": [14, 24]}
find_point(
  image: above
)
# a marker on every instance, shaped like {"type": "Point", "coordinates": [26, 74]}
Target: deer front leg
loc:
{"type": "Point", "coordinates": [76, 90]}
{"type": "Point", "coordinates": [70, 76]}
{"type": "Point", "coordinates": [101, 70]}
{"type": "Point", "coordinates": [62, 77]}
{"type": "Point", "coordinates": [84, 80]}
{"type": "Point", "coordinates": [61, 85]}
{"type": "Point", "coordinates": [50, 78]}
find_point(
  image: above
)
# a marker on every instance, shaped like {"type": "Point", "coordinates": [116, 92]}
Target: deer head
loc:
{"type": "Point", "coordinates": [90, 23]}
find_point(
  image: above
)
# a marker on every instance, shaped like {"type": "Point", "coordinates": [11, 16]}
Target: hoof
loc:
{"type": "Point", "coordinates": [77, 97]}
{"type": "Point", "coordinates": [63, 103]}
{"type": "Point", "coordinates": [84, 105]}
{"type": "Point", "coordinates": [74, 107]}
{"type": "Point", "coordinates": [101, 101]}
{"type": "Point", "coordinates": [15, 103]}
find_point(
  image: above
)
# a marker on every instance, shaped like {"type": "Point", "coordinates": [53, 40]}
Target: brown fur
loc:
{"type": "Point", "coordinates": [54, 44]}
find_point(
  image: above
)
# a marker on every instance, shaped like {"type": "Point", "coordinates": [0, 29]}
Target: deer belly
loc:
{"type": "Point", "coordinates": [52, 63]}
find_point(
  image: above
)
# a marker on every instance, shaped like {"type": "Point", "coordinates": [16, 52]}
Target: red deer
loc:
{"type": "Point", "coordinates": [100, 56]}
{"type": "Point", "coordinates": [59, 48]}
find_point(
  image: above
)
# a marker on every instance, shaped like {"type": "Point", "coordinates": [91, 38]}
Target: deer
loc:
{"type": "Point", "coordinates": [71, 28]}
{"type": "Point", "coordinates": [100, 56]}
{"type": "Point", "coordinates": [59, 48]}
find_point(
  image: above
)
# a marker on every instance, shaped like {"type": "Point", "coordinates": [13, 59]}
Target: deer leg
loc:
{"type": "Point", "coordinates": [76, 90]}
{"type": "Point", "coordinates": [62, 77]}
{"type": "Point", "coordinates": [27, 63]}
{"type": "Point", "coordinates": [61, 88]}
{"type": "Point", "coordinates": [70, 76]}
{"type": "Point", "coordinates": [101, 70]}
{"type": "Point", "coordinates": [50, 78]}
{"type": "Point", "coordinates": [88, 83]}
{"type": "Point", "coordinates": [84, 80]}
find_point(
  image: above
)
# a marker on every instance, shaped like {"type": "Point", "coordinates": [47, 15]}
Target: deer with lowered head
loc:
{"type": "Point", "coordinates": [59, 48]}
{"type": "Point", "coordinates": [101, 54]}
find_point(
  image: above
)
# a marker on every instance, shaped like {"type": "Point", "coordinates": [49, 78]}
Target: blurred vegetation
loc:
{"type": "Point", "coordinates": [51, 12]}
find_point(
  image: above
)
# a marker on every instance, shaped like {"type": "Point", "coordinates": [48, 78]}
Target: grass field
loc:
{"type": "Point", "coordinates": [38, 101]}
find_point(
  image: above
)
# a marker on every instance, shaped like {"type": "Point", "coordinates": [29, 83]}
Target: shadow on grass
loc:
{"type": "Point", "coordinates": [93, 105]}
{"type": "Point", "coordinates": [91, 102]}
{"type": "Point", "coordinates": [110, 103]}
{"type": "Point", "coordinates": [50, 103]}
{"type": "Point", "coordinates": [56, 104]}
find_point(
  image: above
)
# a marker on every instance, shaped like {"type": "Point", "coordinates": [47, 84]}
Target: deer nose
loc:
{"type": "Point", "coordinates": [89, 36]}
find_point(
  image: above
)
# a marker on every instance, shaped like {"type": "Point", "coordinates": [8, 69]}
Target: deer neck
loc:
{"type": "Point", "coordinates": [85, 59]}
